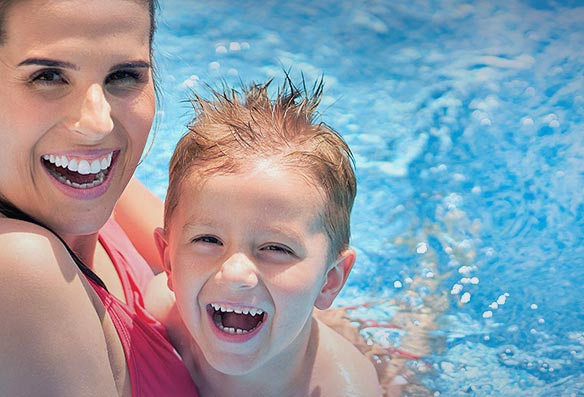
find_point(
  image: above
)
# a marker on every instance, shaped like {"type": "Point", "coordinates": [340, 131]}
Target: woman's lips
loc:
{"type": "Point", "coordinates": [80, 176]}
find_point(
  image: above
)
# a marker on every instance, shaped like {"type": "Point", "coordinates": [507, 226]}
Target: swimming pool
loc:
{"type": "Point", "coordinates": [467, 124]}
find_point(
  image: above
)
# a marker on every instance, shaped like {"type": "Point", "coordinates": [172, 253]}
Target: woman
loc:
{"type": "Point", "coordinates": [77, 102]}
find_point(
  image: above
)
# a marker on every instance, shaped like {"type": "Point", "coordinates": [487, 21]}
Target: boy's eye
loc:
{"type": "Point", "coordinates": [207, 240]}
{"type": "Point", "coordinates": [277, 248]}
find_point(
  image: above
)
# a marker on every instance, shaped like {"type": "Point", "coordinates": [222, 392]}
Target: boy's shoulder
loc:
{"type": "Point", "coordinates": [340, 368]}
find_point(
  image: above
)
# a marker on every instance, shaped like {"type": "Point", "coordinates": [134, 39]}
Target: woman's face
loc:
{"type": "Point", "coordinates": [76, 106]}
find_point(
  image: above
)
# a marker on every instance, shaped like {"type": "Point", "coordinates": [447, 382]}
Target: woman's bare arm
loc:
{"type": "Point", "coordinates": [139, 212]}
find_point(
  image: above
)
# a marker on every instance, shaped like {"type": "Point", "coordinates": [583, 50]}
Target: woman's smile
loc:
{"type": "Point", "coordinates": [80, 176]}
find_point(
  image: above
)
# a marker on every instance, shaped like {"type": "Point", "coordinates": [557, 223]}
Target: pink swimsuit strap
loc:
{"type": "Point", "coordinates": [155, 367]}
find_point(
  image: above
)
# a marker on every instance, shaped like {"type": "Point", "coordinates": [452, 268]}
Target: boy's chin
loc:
{"type": "Point", "coordinates": [235, 366]}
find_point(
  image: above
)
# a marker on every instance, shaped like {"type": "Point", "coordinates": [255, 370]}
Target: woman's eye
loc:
{"type": "Point", "coordinates": [125, 78]}
{"type": "Point", "coordinates": [48, 77]}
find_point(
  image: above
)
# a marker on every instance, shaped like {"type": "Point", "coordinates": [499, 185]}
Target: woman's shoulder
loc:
{"type": "Point", "coordinates": [46, 305]}
{"type": "Point", "coordinates": [39, 279]}
{"type": "Point", "coordinates": [38, 274]}
{"type": "Point", "coordinates": [32, 252]}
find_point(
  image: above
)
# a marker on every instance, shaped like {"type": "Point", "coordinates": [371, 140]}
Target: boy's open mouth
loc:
{"type": "Point", "coordinates": [78, 172]}
{"type": "Point", "coordinates": [236, 320]}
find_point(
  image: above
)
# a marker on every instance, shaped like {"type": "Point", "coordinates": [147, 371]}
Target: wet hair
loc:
{"type": "Point", "coordinates": [152, 7]}
{"type": "Point", "coordinates": [234, 129]}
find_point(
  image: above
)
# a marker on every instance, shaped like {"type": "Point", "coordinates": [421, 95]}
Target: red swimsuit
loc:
{"type": "Point", "coordinates": [155, 367]}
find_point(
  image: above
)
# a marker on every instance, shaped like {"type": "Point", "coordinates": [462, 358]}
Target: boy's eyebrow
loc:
{"type": "Point", "coordinates": [196, 221]}
{"type": "Point", "coordinates": [210, 222]}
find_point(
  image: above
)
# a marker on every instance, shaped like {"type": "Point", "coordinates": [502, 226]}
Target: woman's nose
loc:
{"type": "Point", "coordinates": [94, 120]}
{"type": "Point", "coordinates": [237, 272]}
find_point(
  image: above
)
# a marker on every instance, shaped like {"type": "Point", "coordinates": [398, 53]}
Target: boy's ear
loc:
{"type": "Point", "coordinates": [162, 246]}
{"type": "Point", "coordinates": [336, 277]}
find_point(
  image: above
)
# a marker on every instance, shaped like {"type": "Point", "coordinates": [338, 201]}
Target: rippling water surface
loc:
{"type": "Point", "coordinates": [467, 124]}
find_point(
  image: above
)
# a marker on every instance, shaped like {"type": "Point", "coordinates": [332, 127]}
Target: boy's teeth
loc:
{"type": "Point", "coordinates": [243, 310]}
{"type": "Point", "coordinates": [225, 320]}
{"type": "Point", "coordinates": [232, 330]}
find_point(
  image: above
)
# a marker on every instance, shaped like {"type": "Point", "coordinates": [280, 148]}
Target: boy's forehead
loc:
{"type": "Point", "coordinates": [265, 183]}
{"type": "Point", "coordinates": [274, 165]}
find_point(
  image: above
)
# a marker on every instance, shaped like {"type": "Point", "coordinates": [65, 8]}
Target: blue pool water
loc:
{"type": "Point", "coordinates": [467, 124]}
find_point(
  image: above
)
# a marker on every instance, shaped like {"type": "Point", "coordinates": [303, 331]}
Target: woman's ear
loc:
{"type": "Point", "coordinates": [335, 279]}
{"type": "Point", "coordinates": [162, 246]}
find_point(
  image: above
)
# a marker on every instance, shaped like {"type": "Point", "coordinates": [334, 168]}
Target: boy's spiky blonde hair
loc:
{"type": "Point", "coordinates": [234, 128]}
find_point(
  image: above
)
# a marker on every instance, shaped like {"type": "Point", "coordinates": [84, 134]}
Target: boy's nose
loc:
{"type": "Point", "coordinates": [238, 272]}
{"type": "Point", "coordinates": [94, 120]}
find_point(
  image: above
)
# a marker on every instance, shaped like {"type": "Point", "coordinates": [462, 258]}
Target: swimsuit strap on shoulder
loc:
{"type": "Point", "coordinates": [12, 212]}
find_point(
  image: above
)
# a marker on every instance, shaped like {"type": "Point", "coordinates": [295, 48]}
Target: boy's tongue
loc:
{"type": "Point", "coordinates": [239, 321]}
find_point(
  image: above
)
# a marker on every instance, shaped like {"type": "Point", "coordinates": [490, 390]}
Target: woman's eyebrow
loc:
{"type": "Point", "coordinates": [51, 63]}
{"type": "Point", "coordinates": [132, 65]}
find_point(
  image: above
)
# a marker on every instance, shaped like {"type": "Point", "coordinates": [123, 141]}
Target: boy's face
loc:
{"type": "Point", "coordinates": [247, 260]}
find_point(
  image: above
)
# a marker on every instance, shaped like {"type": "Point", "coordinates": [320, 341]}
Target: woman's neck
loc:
{"type": "Point", "coordinates": [84, 247]}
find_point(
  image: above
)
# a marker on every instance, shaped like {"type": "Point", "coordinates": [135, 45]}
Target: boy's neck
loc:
{"type": "Point", "coordinates": [286, 375]}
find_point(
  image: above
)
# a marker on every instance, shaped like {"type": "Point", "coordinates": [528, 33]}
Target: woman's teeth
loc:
{"type": "Point", "coordinates": [77, 172]}
{"type": "Point", "coordinates": [81, 166]}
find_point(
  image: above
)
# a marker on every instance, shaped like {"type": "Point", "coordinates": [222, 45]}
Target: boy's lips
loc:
{"type": "Point", "coordinates": [234, 320]}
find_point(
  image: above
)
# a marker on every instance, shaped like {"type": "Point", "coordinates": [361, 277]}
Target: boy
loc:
{"type": "Point", "coordinates": [256, 234]}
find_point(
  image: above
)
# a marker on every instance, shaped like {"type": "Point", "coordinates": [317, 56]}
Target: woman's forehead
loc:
{"type": "Point", "coordinates": [36, 23]}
